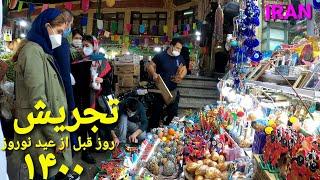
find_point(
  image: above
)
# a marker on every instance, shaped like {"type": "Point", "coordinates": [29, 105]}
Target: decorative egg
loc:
{"type": "Point", "coordinates": [169, 169]}
{"type": "Point", "coordinates": [110, 3]}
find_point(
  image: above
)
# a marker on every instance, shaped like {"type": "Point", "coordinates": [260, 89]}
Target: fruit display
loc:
{"type": "Point", "coordinates": [212, 167]}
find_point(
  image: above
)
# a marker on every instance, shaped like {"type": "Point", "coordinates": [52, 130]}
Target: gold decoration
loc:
{"type": "Point", "coordinates": [110, 3]}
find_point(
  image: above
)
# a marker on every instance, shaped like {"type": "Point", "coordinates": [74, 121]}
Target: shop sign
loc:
{"type": "Point", "coordinates": [285, 12]}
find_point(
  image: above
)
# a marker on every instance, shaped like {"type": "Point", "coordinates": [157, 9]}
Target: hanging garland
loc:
{"type": "Point", "coordinates": [244, 42]}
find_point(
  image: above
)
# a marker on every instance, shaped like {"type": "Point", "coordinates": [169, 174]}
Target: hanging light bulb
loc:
{"type": "Point", "coordinates": [198, 33]}
{"type": "Point", "coordinates": [157, 49]}
{"type": "Point", "coordinates": [102, 50]}
{"type": "Point", "coordinates": [23, 23]}
{"type": "Point", "coordinates": [22, 35]}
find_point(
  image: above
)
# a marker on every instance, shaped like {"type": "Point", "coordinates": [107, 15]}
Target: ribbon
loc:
{"type": "Point", "coordinates": [44, 7]}
{"type": "Point", "coordinates": [31, 8]}
{"type": "Point", "coordinates": [85, 5]}
{"type": "Point", "coordinates": [142, 28]}
{"type": "Point", "coordinates": [99, 24]}
{"type": "Point", "coordinates": [68, 5]}
{"type": "Point", "coordinates": [20, 6]}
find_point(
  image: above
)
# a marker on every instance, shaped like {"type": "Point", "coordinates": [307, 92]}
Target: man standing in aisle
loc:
{"type": "Point", "coordinates": [171, 66]}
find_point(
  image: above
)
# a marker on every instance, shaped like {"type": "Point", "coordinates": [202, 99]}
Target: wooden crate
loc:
{"type": "Point", "coordinates": [127, 68]}
{"type": "Point", "coordinates": [128, 80]}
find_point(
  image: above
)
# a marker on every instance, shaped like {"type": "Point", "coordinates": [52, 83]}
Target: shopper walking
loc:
{"type": "Point", "coordinates": [37, 78]}
{"type": "Point", "coordinates": [62, 56]}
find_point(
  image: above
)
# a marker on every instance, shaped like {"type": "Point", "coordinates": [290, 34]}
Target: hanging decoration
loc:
{"type": "Point", "coordinates": [128, 27]}
{"type": "Point", "coordinates": [218, 27]}
{"type": "Point", "coordinates": [114, 27]}
{"type": "Point", "coordinates": [68, 5]}
{"type": "Point", "coordinates": [194, 26]}
{"type": "Point", "coordinates": [146, 42]}
{"type": "Point", "coordinates": [175, 28]}
{"type": "Point", "coordinates": [187, 28]}
{"type": "Point", "coordinates": [13, 4]}
{"type": "Point", "coordinates": [112, 38]}
{"type": "Point", "coordinates": [20, 6]}
{"type": "Point", "coordinates": [156, 40]}
{"type": "Point", "coordinates": [107, 34]}
{"type": "Point", "coordinates": [84, 21]}
{"type": "Point", "coordinates": [243, 43]}
{"type": "Point", "coordinates": [85, 5]}
{"type": "Point", "coordinates": [31, 8]}
{"type": "Point", "coordinates": [44, 7]}
{"type": "Point", "coordinates": [165, 29]}
{"type": "Point", "coordinates": [110, 3]}
{"type": "Point", "coordinates": [116, 38]}
{"type": "Point", "coordinates": [100, 24]}
{"type": "Point", "coordinates": [154, 29]}
{"type": "Point", "coordinates": [136, 42]}
{"type": "Point", "coordinates": [142, 28]}
{"type": "Point", "coordinates": [186, 33]}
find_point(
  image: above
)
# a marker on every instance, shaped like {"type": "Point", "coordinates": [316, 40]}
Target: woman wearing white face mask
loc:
{"type": "Point", "coordinates": [100, 69]}
{"type": "Point", "coordinates": [37, 78]}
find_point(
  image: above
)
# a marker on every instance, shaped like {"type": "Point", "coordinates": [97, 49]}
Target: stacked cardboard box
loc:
{"type": "Point", "coordinates": [128, 75]}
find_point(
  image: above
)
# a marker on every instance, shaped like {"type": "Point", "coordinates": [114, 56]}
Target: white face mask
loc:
{"type": "Point", "coordinates": [131, 114]}
{"type": "Point", "coordinates": [175, 53]}
{"type": "Point", "coordinates": [77, 43]}
{"type": "Point", "coordinates": [88, 50]}
{"type": "Point", "coordinates": [55, 39]}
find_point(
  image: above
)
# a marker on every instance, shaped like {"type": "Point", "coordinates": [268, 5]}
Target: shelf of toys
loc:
{"type": "Point", "coordinates": [281, 129]}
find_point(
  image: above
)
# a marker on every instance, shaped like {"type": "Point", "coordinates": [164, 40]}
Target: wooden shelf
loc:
{"type": "Point", "coordinates": [306, 93]}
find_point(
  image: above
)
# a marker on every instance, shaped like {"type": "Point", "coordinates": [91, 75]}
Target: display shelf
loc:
{"type": "Point", "coordinates": [313, 95]}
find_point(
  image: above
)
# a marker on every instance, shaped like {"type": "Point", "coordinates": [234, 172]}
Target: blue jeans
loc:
{"type": "Point", "coordinates": [126, 128]}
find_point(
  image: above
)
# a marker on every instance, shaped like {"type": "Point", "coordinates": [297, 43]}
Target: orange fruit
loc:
{"type": "Point", "coordinates": [171, 132]}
